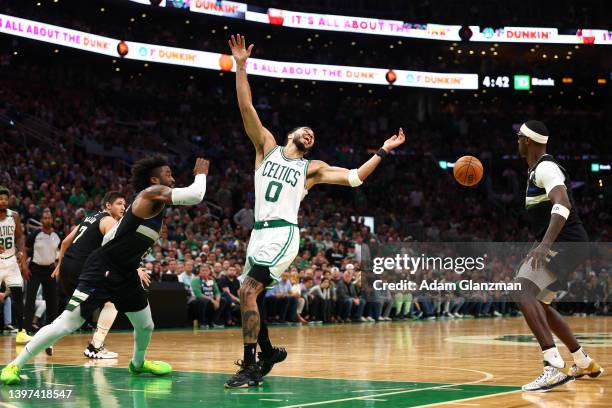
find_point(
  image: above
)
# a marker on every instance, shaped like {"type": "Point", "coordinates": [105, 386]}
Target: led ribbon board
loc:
{"type": "Point", "coordinates": [396, 28]}
{"type": "Point", "coordinates": [209, 60]}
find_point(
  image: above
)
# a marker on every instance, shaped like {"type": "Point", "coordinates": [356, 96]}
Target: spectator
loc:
{"type": "Point", "coordinates": [208, 303]}
{"type": "Point", "coordinates": [321, 301]}
{"type": "Point", "coordinates": [229, 286]}
{"type": "Point", "coordinates": [245, 217]}
{"type": "Point", "coordinates": [279, 305]}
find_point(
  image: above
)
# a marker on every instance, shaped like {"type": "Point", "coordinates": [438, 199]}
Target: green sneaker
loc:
{"type": "Point", "coordinates": [153, 367]}
{"type": "Point", "coordinates": [10, 375]}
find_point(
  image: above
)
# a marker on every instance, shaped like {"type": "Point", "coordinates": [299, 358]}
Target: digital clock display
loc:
{"type": "Point", "coordinates": [496, 82]}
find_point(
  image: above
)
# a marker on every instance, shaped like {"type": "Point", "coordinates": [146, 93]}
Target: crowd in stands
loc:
{"type": "Point", "coordinates": [96, 122]}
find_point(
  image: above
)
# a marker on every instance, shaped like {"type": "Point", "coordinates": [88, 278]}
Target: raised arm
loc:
{"type": "Point", "coordinates": [260, 136]}
{"type": "Point", "coordinates": [322, 173]}
{"type": "Point", "coordinates": [147, 202]}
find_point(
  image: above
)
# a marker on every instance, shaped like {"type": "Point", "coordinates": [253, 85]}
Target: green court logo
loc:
{"type": "Point", "coordinates": [586, 338]}
{"type": "Point", "coordinates": [527, 340]}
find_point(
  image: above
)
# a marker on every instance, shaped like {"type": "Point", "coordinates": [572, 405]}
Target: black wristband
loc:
{"type": "Point", "coordinates": [382, 153]}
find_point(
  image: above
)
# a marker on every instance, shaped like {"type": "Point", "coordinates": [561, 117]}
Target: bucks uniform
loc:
{"type": "Point", "coordinates": [88, 238]}
{"type": "Point", "coordinates": [110, 272]}
{"type": "Point", "coordinates": [280, 186]}
{"type": "Point", "coordinates": [569, 250]}
{"type": "Point", "coordinates": [9, 269]}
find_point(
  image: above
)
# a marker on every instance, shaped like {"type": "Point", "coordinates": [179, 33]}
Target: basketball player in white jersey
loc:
{"type": "Point", "coordinates": [282, 179]}
{"type": "Point", "coordinates": [11, 237]}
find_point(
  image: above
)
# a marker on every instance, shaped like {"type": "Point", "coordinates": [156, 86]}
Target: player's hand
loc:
{"type": "Point", "coordinates": [394, 141]}
{"type": "Point", "coordinates": [240, 53]}
{"type": "Point", "coordinates": [537, 256]}
{"type": "Point", "coordinates": [201, 166]}
{"type": "Point", "coordinates": [56, 272]}
{"type": "Point", "coordinates": [1, 249]}
{"type": "Point", "coordinates": [144, 276]}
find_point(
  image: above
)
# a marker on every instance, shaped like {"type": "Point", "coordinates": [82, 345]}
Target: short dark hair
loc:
{"type": "Point", "coordinates": [111, 197]}
{"type": "Point", "coordinates": [144, 169]}
{"type": "Point", "coordinates": [5, 191]}
{"type": "Point", "coordinates": [299, 127]}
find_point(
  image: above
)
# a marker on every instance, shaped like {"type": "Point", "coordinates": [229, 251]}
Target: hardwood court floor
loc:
{"type": "Point", "coordinates": [470, 363]}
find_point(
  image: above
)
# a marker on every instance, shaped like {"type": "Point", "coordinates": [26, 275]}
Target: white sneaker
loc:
{"type": "Point", "coordinates": [497, 314]}
{"type": "Point", "coordinates": [370, 319]}
{"type": "Point", "coordinates": [552, 377]}
{"type": "Point", "coordinates": [362, 319]}
{"type": "Point", "coordinates": [101, 353]}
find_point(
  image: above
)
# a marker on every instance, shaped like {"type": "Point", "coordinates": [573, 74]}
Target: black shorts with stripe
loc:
{"type": "Point", "coordinates": [98, 285]}
{"type": "Point", "coordinates": [70, 270]}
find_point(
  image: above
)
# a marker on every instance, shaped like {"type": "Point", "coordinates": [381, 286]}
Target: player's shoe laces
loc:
{"type": "Point", "coordinates": [10, 375]}
{"type": "Point", "coordinates": [593, 370]}
{"type": "Point", "coordinates": [279, 354]}
{"type": "Point", "coordinates": [552, 377]}
{"type": "Point", "coordinates": [152, 367]}
{"type": "Point", "coordinates": [22, 337]}
{"type": "Point", "coordinates": [100, 352]}
{"type": "Point", "coordinates": [246, 376]}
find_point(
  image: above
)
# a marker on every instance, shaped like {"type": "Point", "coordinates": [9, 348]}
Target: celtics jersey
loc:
{"type": "Point", "coordinates": [280, 186]}
{"type": "Point", "coordinates": [7, 234]}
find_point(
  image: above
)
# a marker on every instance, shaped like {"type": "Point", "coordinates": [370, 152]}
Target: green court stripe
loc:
{"type": "Point", "coordinates": [97, 386]}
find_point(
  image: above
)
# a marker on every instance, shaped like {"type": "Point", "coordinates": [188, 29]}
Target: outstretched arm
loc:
{"type": "Point", "coordinates": [322, 173]}
{"type": "Point", "coordinates": [260, 136]}
{"type": "Point", "coordinates": [147, 202]}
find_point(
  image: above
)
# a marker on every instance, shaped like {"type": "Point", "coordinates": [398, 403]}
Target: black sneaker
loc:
{"type": "Point", "coordinates": [279, 354]}
{"type": "Point", "coordinates": [246, 376]}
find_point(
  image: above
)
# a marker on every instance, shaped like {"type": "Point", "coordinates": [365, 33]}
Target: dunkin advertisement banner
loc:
{"type": "Point", "coordinates": [395, 28]}
{"type": "Point", "coordinates": [222, 62]}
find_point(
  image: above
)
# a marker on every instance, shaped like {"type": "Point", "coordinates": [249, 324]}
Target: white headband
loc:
{"type": "Point", "coordinates": [535, 136]}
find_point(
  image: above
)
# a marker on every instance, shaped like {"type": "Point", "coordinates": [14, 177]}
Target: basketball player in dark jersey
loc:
{"type": "Point", "coordinates": [555, 222]}
{"type": "Point", "coordinates": [110, 273]}
{"type": "Point", "coordinates": [75, 249]}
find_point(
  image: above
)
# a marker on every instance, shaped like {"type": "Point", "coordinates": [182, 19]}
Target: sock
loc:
{"type": "Point", "coordinates": [105, 321]}
{"type": "Point", "coordinates": [552, 357]}
{"type": "Point", "coordinates": [249, 353]}
{"type": "Point", "coordinates": [65, 324]}
{"type": "Point", "coordinates": [143, 329]}
{"type": "Point", "coordinates": [581, 358]}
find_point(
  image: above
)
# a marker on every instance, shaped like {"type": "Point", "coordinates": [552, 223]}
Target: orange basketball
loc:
{"type": "Point", "coordinates": [468, 171]}
{"type": "Point", "coordinates": [226, 62]}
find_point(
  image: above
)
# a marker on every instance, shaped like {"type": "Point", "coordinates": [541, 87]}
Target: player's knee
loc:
{"type": "Point", "coordinates": [528, 289]}
{"type": "Point", "coordinates": [149, 326]}
{"type": "Point", "coordinates": [247, 295]}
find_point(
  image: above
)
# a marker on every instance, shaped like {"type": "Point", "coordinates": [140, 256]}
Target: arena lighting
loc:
{"type": "Point", "coordinates": [207, 60]}
{"type": "Point", "coordinates": [395, 28]}
{"type": "Point", "coordinates": [602, 81]}
{"type": "Point", "coordinates": [567, 80]}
